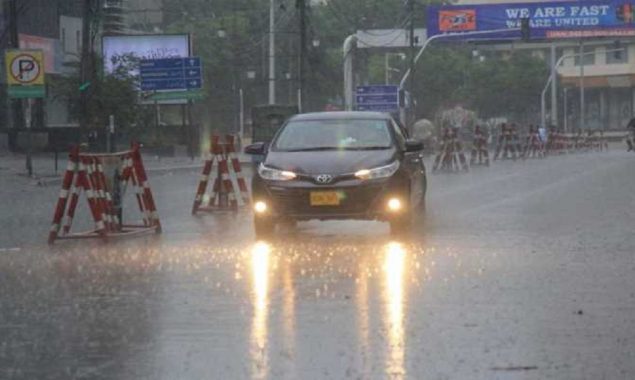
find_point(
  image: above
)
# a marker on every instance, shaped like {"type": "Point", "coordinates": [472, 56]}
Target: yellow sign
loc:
{"type": "Point", "coordinates": [25, 67]}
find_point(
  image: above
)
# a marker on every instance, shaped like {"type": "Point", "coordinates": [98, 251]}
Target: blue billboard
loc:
{"type": "Point", "coordinates": [551, 20]}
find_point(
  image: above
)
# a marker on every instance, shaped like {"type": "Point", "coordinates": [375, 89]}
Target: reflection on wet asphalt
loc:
{"type": "Point", "coordinates": [290, 305]}
{"type": "Point", "coordinates": [523, 281]}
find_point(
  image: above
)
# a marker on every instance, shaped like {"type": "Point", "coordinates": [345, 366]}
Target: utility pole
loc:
{"type": "Point", "coordinates": [301, 52]}
{"type": "Point", "coordinates": [272, 52]}
{"type": "Point", "coordinates": [411, 11]}
{"type": "Point", "coordinates": [85, 70]}
{"type": "Point", "coordinates": [582, 123]}
{"type": "Point", "coordinates": [554, 90]}
{"type": "Point", "coordinates": [16, 104]}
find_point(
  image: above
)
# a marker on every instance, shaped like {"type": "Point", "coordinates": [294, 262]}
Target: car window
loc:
{"type": "Point", "coordinates": [334, 134]}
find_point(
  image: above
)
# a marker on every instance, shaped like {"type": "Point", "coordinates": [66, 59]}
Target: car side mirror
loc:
{"type": "Point", "coordinates": [257, 149]}
{"type": "Point", "coordinates": [414, 146]}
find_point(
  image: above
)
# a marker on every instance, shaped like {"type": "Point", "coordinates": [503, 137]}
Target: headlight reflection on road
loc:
{"type": "Point", "coordinates": [260, 264]}
{"type": "Point", "coordinates": [394, 268]}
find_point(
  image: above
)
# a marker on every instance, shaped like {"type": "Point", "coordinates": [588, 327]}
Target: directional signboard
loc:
{"type": "Point", "coordinates": [171, 74]}
{"type": "Point", "coordinates": [25, 73]}
{"type": "Point", "coordinates": [380, 98]}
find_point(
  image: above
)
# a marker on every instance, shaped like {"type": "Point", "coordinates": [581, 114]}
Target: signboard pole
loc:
{"type": "Point", "coordinates": [28, 116]}
{"type": "Point", "coordinates": [156, 119]}
{"type": "Point", "coordinates": [582, 111]}
{"type": "Point", "coordinates": [554, 84]}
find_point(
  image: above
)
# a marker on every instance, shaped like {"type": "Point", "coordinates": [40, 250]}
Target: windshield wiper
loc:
{"type": "Point", "coordinates": [368, 148]}
{"type": "Point", "coordinates": [314, 149]}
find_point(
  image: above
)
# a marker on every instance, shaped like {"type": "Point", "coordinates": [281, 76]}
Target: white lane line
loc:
{"type": "Point", "coordinates": [15, 249]}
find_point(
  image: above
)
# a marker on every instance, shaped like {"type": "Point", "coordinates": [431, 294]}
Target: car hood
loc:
{"type": "Point", "coordinates": [330, 162]}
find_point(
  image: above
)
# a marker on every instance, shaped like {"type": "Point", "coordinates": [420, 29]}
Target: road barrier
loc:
{"type": "Point", "coordinates": [508, 144]}
{"type": "Point", "coordinates": [229, 190]}
{"type": "Point", "coordinates": [451, 157]}
{"type": "Point", "coordinates": [88, 173]}
{"type": "Point", "coordinates": [480, 153]}
{"type": "Point", "coordinates": [534, 147]}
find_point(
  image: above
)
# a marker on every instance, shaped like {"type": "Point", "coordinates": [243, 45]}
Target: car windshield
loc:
{"type": "Point", "coordinates": [334, 134]}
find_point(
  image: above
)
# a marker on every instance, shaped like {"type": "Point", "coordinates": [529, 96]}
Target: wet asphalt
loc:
{"type": "Point", "coordinates": [525, 270]}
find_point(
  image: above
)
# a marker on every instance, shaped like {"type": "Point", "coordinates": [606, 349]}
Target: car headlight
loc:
{"type": "Point", "coordinates": [380, 172]}
{"type": "Point", "coordinates": [272, 174]}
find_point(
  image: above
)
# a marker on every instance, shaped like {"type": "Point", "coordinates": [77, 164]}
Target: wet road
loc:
{"type": "Point", "coordinates": [525, 270]}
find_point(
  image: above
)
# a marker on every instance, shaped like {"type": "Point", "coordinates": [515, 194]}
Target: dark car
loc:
{"type": "Point", "coordinates": [338, 165]}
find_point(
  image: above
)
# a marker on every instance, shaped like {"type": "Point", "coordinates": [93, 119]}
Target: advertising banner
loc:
{"type": "Point", "coordinates": [49, 47]}
{"type": "Point", "coordinates": [548, 20]}
{"type": "Point", "coordinates": [117, 49]}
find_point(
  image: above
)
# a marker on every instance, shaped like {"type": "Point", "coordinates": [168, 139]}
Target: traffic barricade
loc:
{"type": "Point", "coordinates": [450, 157]}
{"type": "Point", "coordinates": [507, 146]}
{"type": "Point", "coordinates": [534, 147]}
{"type": "Point", "coordinates": [480, 152]}
{"type": "Point", "coordinates": [104, 179]}
{"type": "Point", "coordinates": [229, 188]}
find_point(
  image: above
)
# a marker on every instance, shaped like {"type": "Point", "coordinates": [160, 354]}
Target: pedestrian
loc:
{"type": "Point", "coordinates": [542, 132]}
{"type": "Point", "coordinates": [630, 138]}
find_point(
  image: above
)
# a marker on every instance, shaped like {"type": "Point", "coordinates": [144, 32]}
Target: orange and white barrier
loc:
{"type": "Point", "coordinates": [85, 173]}
{"type": "Point", "coordinates": [229, 189]}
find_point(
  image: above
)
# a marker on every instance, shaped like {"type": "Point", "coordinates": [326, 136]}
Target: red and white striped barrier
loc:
{"type": "Point", "coordinates": [224, 195]}
{"type": "Point", "coordinates": [451, 157]}
{"type": "Point", "coordinates": [534, 147]}
{"type": "Point", "coordinates": [85, 172]}
{"type": "Point", "coordinates": [480, 153]}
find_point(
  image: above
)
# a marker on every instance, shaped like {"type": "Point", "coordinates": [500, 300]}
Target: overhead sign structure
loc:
{"type": "Point", "coordinates": [547, 20]}
{"type": "Point", "coordinates": [388, 38]}
{"type": "Point", "coordinates": [25, 73]}
{"type": "Point", "coordinates": [171, 74]}
{"type": "Point", "coordinates": [379, 98]}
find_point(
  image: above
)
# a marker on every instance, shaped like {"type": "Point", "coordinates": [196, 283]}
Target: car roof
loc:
{"type": "Point", "coordinates": [352, 115]}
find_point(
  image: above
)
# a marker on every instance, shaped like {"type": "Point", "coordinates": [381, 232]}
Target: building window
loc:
{"type": "Point", "coordinates": [78, 40]}
{"type": "Point", "coordinates": [617, 57]}
{"type": "Point", "coordinates": [588, 56]}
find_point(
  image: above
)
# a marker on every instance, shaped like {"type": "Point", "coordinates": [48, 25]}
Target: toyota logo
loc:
{"type": "Point", "coordinates": [324, 178]}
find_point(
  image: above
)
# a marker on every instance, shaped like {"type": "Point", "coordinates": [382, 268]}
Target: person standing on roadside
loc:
{"type": "Point", "coordinates": [630, 137]}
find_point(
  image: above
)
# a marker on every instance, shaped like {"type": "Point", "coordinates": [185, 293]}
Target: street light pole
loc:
{"type": "Point", "coordinates": [582, 107]}
{"type": "Point", "coordinates": [402, 113]}
{"type": "Point", "coordinates": [554, 90]}
{"type": "Point", "coordinates": [272, 52]}
{"type": "Point", "coordinates": [543, 117]}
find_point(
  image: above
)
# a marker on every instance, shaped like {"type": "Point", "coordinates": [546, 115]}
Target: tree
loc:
{"type": "Point", "coordinates": [112, 94]}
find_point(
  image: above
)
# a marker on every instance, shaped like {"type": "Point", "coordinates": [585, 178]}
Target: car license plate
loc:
{"type": "Point", "coordinates": [325, 198]}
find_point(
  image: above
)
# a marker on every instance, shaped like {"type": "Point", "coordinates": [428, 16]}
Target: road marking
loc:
{"type": "Point", "coordinates": [15, 249]}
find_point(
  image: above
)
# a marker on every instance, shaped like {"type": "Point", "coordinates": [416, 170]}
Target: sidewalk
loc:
{"type": "Point", "coordinates": [14, 164]}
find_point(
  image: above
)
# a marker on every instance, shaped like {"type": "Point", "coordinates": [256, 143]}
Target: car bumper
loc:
{"type": "Point", "coordinates": [362, 200]}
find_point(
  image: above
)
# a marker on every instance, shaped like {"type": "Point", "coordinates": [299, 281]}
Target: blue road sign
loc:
{"type": "Point", "coordinates": [378, 89]}
{"type": "Point", "coordinates": [171, 74]}
{"type": "Point", "coordinates": [379, 98]}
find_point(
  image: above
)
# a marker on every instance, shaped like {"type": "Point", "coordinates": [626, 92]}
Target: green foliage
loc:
{"type": "Point", "coordinates": [110, 94]}
{"type": "Point", "coordinates": [499, 85]}
{"type": "Point", "coordinates": [446, 76]}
